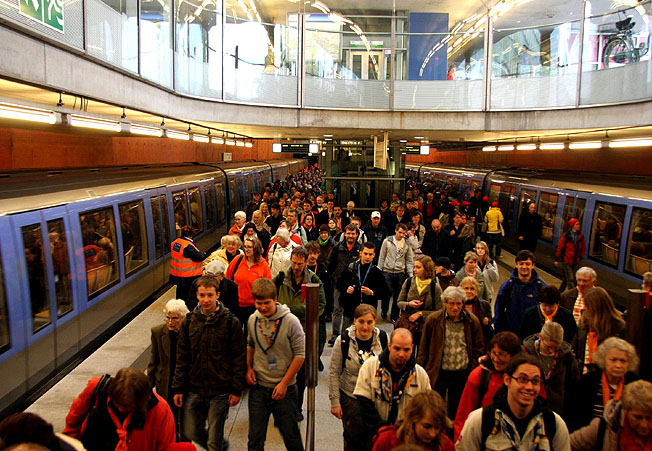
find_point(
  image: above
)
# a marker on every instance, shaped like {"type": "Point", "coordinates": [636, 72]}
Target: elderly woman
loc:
{"type": "Point", "coordinates": [162, 361]}
{"type": "Point", "coordinates": [558, 363]}
{"type": "Point", "coordinates": [617, 361]}
{"type": "Point", "coordinates": [240, 221]}
{"type": "Point", "coordinates": [625, 425]}
{"type": "Point", "coordinates": [470, 269]}
{"type": "Point", "coordinates": [280, 251]}
{"type": "Point", "coordinates": [450, 346]}
{"type": "Point", "coordinates": [230, 249]}
{"type": "Point", "coordinates": [485, 379]}
{"type": "Point", "coordinates": [479, 307]}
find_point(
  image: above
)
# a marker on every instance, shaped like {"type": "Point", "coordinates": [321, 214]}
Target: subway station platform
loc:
{"type": "Point", "coordinates": [131, 348]}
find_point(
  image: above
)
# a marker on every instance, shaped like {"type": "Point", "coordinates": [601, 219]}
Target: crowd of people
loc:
{"type": "Point", "coordinates": [525, 367]}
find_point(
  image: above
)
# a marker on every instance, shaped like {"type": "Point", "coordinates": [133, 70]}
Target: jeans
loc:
{"type": "Point", "coordinates": [337, 313]}
{"type": "Point", "coordinates": [494, 240]}
{"type": "Point", "coordinates": [261, 405]}
{"type": "Point", "coordinates": [568, 276]}
{"type": "Point", "coordinates": [198, 409]}
{"type": "Point", "coordinates": [349, 409]}
{"type": "Point", "coordinates": [394, 283]}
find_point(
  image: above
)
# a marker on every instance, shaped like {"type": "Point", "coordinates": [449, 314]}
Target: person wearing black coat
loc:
{"type": "Point", "coordinates": [530, 226]}
{"type": "Point", "coordinates": [436, 242]}
{"type": "Point", "coordinates": [535, 317]}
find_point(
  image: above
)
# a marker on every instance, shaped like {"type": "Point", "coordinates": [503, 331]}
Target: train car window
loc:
{"type": "Point", "coordinates": [180, 203]}
{"type": "Point", "coordinates": [156, 219]}
{"type": "Point", "coordinates": [196, 209]}
{"type": "Point", "coordinates": [38, 283]}
{"type": "Point", "coordinates": [98, 238]}
{"type": "Point", "coordinates": [5, 342]}
{"type": "Point", "coordinates": [134, 235]}
{"type": "Point", "coordinates": [60, 266]}
{"type": "Point", "coordinates": [209, 201]}
{"type": "Point", "coordinates": [606, 231]}
{"type": "Point", "coordinates": [235, 197]}
{"type": "Point", "coordinates": [580, 205]}
{"type": "Point", "coordinates": [547, 208]}
{"type": "Point", "coordinates": [527, 197]}
{"type": "Point", "coordinates": [474, 185]}
{"type": "Point", "coordinates": [507, 202]}
{"type": "Point", "coordinates": [465, 189]}
{"type": "Point", "coordinates": [639, 242]}
{"type": "Point", "coordinates": [494, 192]}
{"type": "Point", "coordinates": [569, 207]}
{"type": "Point", "coordinates": [219, 194]}
{"type": "Point", "coordinates": [165, 238]}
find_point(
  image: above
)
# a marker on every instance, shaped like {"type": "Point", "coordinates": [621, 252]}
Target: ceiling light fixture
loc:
{"type": "Point", "coordinates": [229, 142]}
{"type": "Point", "coordinates": [200, 138]}
{"type": "Point", "coordinates": [249, 144]}
{"type": "Point", "coordinates": [239, 143]}
{"type": "Point", "coordinates": [217, 140]}
{"type": "Point", "coordinates": [23, 113]}
{"type": "Point", "coordinates": [580, 145]}
{"type": "Point", "coordinates": [639, 142]}
{"type": "Point", "coordinates": [177, 135]}
{"type": "Point", "coordinates": [77, 120]}
{"type": "Point", "coordinates": [552, 146]}
{"type": "Point", "coordinates": [529, 146]}
{"type": "Point", "coordinates": [145, 130]}
{"type": "Point", "coordinates": [489, 148]}
{"type": "Point", "coordinates": [506, 147]}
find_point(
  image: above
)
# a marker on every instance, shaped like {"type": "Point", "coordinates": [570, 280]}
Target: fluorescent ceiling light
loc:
{"type": "Point", "coordinates": [276, 147]}
{"type": "Point", "coordinates": [229, 142]}
{"type": "Point", "coordinates": [418, 137]}
{"type": "Point", "coordinates": [200, 138]}
{"type": "Point", "coordinates": [177, 135]}
{"type": "Point", "coordinates": [240, 143]}
{"type": "Point", "coordinates": [249, 144]}
{"type": "Point", "coordinates": [402, 140]}
{"type": "Point", "coordinates": [530, 146]}
{"type": "Point", "coordinates": [505, 147]}
{"type": "Point", "coordinates": [313, 148]}
{"type": "Point", "coordinates": [323, 154]}
{"type": "Point", "coordinates": [145, 130]}
{"type": "Point", "coordinates": [585, 145]}
{"type": "Point", "coordinates": [217, 140]}
{"type": "Point", "coordinates": [641, 142]}
{"type": "Point", "coordinates": [328, 136]}
{"type": "Point", "coordinates": [23, 113]}
{"type": "Point", "coordinates": [424, 149]}
{"type": "Point", "coordinates": [489, 148]}
{"type": "Point", "coordinates": [551, 146]}
{"type": "Point", "coordinates": [77, 120]}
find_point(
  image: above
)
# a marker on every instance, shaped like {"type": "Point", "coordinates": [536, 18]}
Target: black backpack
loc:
{"type": "Point", "coordinates": [485, 377]}
{"type": "Point", "coordinates": [489, 422]}
{"type": "Point", "coordinates": [346, 341]}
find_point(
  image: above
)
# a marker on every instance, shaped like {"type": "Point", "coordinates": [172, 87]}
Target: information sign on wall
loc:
{"type": "Point", "coordinates": [47, 12]}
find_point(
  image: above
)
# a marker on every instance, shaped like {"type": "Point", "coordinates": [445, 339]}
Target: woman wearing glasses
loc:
{"type": "Point", "coordinates": [485, 380]}
{"type": "Point", "coordinates": [162, 361]}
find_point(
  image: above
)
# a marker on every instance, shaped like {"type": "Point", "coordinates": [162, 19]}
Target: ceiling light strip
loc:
{"type": "Point", "coordinates": [24, 113]}
{"type": "Point", "coordinates": [77, 120]}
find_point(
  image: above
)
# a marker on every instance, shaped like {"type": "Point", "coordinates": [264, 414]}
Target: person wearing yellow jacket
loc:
{"type": "Point", "coordinates": [494, 220]}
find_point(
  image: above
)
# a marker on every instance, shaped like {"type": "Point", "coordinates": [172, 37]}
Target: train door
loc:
{"type": "Point", "coordinates": [208, 191]}
{"type": "Point", "coordinates": [160, 238]}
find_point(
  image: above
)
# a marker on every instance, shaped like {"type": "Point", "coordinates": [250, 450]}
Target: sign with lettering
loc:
{"type": "Point", "coordinates": [47, 12]}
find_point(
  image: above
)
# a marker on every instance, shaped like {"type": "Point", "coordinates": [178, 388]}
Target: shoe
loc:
{"type": "Point", "coordinates": [299, 416]}
{"type": "Point", "coordinates": [321, 365]}
{"type": "Point", "coordinates": [331, 342]}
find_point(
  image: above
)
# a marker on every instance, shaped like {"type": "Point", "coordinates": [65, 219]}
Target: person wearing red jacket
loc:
{"type": "Point", "coordinates": [570, 250]}
{"type": "Point", "coordinates": [128, 415]}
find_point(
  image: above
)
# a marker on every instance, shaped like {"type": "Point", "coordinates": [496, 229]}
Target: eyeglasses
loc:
{"type": "Point", "coordinates": [499, 355]}
{"type": "Point", "coordinates": [523, 380]}
{"type": "Point", "coordinates": [172, 318]}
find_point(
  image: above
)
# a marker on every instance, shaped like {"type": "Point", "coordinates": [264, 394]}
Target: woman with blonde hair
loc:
{"type": "Point", "coordinates": [488, 267]}
{"type": "Point", "coordinates": [479, 307]}
{"type": "Point", "coordinates": [600, 320]}
{"type": "Point", "coordinates": [423, 423]}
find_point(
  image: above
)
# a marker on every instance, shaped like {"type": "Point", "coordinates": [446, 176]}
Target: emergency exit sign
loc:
{"type": "Point", "coordinates": [46, 12]}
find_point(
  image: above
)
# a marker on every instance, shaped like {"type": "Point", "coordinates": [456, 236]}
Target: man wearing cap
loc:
{"type": "Point", "coordinates": [445, 277]}
{"type": "Point", "coordinates": [494, 219]}
{"type": "Point", "coordinates": [228, 289]}
{"type": "Point", "coordinates": [570, 250]}
{"type": "Point", "coordinates": [375, 232]}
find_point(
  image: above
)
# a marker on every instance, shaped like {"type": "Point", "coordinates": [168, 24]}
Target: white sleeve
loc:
{"type": "Point", "coordinates": [561, 442]}
{"type": "Point", "coordinates": [471, 435]}
{"type": "Point", "coordinates": [363, 385]}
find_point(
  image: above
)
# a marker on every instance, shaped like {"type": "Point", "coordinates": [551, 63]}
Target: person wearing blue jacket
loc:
{"type": "Point", "coordinates": [517, 294]}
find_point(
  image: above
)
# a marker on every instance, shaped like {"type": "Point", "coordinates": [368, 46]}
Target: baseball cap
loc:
{"type": "Point", "coordinates": [443, 261]}
{"type": "Point", "coordinates": [375, 214]}
{"type": "Point", "coordinates": [215, 268]}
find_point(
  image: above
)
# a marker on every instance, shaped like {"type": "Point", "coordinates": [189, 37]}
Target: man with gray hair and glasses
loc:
{"type": "Point", "coordinates": [573, 298]}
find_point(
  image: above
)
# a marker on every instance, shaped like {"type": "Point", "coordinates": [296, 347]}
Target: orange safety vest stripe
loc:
{"type": "Point", "coordinates": [181, 266]}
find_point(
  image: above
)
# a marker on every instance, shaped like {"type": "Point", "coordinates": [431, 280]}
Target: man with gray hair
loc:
{"type": "Point", "coordinates": [278, 255]}
{"type": "Point", "coordinates": [573, 298]}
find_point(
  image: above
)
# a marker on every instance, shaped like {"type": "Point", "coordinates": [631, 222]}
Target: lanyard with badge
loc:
{"type": "Point", "coordinates": [271, 360]}
{"type": "Point", "coordinates": [362, 281]}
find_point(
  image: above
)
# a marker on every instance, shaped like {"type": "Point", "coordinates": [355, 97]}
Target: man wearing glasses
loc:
{"type": "Point", "coordinates": [517, 418]}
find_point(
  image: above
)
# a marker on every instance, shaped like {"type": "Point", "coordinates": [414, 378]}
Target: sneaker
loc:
{"type": "Point", "coordinates": [299, 416]}
{"type": "Point", "coordinates": [321, 365]}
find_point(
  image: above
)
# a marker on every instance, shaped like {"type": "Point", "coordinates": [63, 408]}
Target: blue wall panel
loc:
{"type": "Point", "coordinates": [420, 46]}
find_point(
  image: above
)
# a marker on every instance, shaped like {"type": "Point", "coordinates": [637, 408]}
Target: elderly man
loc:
{"type": "Point", "coordinates": [278, 255]}
{"type": "Point", "coordinates": [573, 298]}
{"type": "Point", "coordinates": [436, 243]}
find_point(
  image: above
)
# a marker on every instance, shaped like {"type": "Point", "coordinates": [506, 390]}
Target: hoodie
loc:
{"type": "Point", "coordinates": [288, 344]}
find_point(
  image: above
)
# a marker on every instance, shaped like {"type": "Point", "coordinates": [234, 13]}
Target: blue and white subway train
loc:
{"type": "Point", "coordinates": [615, 212]}
{"type": "Point", "coordinates": [81, 249]}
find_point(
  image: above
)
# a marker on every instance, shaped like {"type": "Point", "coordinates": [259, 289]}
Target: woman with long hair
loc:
{"type": "Point", "coordinates": [264, 210]}
{"type": "Point", "coordinates": [600, 320]}
{"type": "Point", "coordinates": [308, 224]}
{"type": "Point", "coordinates": [488, 267]}
{"type": "Point", "coordinates": [423, 423]}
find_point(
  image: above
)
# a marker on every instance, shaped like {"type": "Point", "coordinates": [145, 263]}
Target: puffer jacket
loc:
{"type": "Point", "coordinates": [211, 355]}
{"type": "Point", "coordinates": [569, 252]}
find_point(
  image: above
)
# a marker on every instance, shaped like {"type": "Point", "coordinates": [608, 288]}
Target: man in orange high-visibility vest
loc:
{"type": "Point", "coordinates": [186, 263]}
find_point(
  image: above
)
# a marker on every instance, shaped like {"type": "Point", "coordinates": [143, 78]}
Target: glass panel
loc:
{"type": "Point", "coordinates": [527, 196]}
{"type": "Point", "coordinates": [568, 210]}
{"type": "Point", "coordinates": [209, 201]}
{"type": "Point", "coordinates": [197, 214]}
{"type": "Point", "coordinates": [199, 48]}
{"type": "Point", "coordinates": [134, 235]}
{"type": "Point", "coordinates": [607, 229]}
{"type": "Point", "coordinates": [113, 31]}
{"type": "Point", "coordinates": [465, 189]}
{"type": "Point", "coordinates": [156, 219]}
{"type": "Point", "coordinates": [547, 208]}
{"type": "Point", "coordinates": [508, 200]}
{"type": "Point", "coordinates": [180, 203]}
{"type": "Point", "coordinates": [535, 65]}
{"type": "Point", "coordinates": [580, 205]}
{"type": "Point", "coordinates": [60, 266]}
{"type": "Point", "coordinates": [616, 63]}
{"type": "Point", "coordinates": [98, 236]}
{"type": "Point", "coordinates": [165, 217]}
{"type": "Point", "coordinates": [219, 190]}
{"type": "Point", "coordinates": [4, 315]}
{"type": "Point", "coordinates": [156, 41]}
{"type": "Point", "coordinates": [235, 198]}
{"type": "Point", "coordinates": [639, 243]}
{"type": "Point", "coordinates": [260, 58]}
{"type": "Point", "coordinates": [494, 192]}
{"type": "Point", "coordinates": [348, 59]}
{"type": "Point", "coordinates": [38, 283]}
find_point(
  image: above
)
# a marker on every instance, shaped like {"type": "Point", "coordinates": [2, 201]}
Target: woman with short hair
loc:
{"type": "Point", "coordinates": [230, 249]}
{"type": "Point", "coordinates": [479, 307]}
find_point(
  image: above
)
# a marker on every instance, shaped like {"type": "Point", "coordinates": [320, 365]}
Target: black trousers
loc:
{"type": "Point", "coordinates": [451, 383]}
